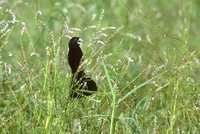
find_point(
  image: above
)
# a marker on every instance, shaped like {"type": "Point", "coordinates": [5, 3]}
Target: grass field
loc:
{"type": "Point", "coordinates": [143, 55]}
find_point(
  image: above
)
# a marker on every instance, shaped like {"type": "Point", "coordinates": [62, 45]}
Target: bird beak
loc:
{"type": "Point", "coordinates": [80, 41]}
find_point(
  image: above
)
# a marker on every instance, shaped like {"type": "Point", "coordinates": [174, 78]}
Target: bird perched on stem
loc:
{"type": "Point", "coordinates": [81, 84]}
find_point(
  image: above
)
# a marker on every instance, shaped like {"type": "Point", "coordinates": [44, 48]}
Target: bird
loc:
{"type": "Point", "coordinates": [81, 84]}
{"type": "Point", "coordinates": [75, 53]}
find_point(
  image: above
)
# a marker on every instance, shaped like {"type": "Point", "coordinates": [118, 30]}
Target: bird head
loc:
{"type": "Point", "coordinates": [75, 42]}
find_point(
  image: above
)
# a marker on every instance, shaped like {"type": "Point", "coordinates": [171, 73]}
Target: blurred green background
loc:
{"type": "Point", "coordinates": [150, 50]}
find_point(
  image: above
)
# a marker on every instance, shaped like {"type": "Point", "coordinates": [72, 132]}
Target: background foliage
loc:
{"type": "Point", "coordinates": [144, 56]}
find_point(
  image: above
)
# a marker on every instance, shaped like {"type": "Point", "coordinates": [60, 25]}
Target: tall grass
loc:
{"type": "Point", "coordinates": [143, 55]}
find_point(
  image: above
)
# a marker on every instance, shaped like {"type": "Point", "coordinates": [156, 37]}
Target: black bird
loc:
{"type": "Point", "coordinates": [75, 54]}
{"type": "Point", "coordinates": [81, 84]}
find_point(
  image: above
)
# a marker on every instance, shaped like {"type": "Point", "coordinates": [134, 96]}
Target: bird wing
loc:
{"type": "Point", "coordinates": [81, 64]}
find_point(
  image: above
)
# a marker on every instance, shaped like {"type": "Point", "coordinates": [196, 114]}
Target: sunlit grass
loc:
{"type": "Point", "coordinates": [143, 56]}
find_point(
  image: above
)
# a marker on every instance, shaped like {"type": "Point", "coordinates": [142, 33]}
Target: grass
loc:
{"type": "Point", "coordinates": [144, 56]}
